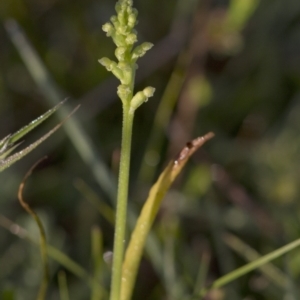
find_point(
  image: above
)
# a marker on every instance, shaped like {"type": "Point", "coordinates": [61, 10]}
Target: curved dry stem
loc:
{"type": "Point", "coordinates": [43, 243]}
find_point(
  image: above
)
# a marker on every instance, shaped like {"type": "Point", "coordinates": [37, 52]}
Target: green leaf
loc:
{"type": "Point", "coordinates": [138, 238]}
{"type": "Point", "coordinates": [258, 263]}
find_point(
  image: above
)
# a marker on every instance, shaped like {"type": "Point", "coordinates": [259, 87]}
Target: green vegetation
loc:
{"type": "Point", "coordinates": [227, 228]}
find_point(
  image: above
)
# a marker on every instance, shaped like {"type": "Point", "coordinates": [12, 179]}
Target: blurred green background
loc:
{"type": "Point", "coordinates": [231, 67]}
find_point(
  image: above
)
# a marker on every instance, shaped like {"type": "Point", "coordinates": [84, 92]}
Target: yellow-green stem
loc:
{"type": "Point", "coordinates": [121, 209]}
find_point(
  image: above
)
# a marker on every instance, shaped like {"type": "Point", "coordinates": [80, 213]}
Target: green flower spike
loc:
{"type": "Point", "coordinates": [121, 30]}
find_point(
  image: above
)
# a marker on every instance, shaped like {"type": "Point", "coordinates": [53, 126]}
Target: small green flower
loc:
{"type": "Point", "coordinates": [141, 97]}
{"type": "Point", "coordinates": [121, 53]}
{"type": "Point", "coordinates": [140, 50]}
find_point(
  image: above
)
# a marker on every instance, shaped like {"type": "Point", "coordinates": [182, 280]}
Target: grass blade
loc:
{"type": "Point", "coordinates": [138, 238]}
{"type": "Point", "coordinates": [4, 164]}
{"type": "Point", "coordinates": [43, 242]}
{"type": "Point", "coordinates": [87, 192]}
{"type": "Point", "coordinates": [24, 130]}
{"type": "Point", "coordinates": [53, 252]}
{"type": "Point", "coordinates": [97, 253]}
{"type": "Point", "coordinates": [202, 272]}
{"type": "Point", "coordinates": [63, 286]}
{"type": "Point", "coordinates": [251, 266]}
{"type": "Point", "coordinates": [269, 270]}
{"type": "Point", "coordinates": [7, 144]}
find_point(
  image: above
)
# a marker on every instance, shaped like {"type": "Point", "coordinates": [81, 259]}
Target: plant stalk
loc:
{"type": "Point", "coordinates": [121, 210]}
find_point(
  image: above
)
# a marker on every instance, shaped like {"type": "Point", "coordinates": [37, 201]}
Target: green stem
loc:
{"type": "Point", "coordinates": [250, 267]}
{"type": "Point", "coordinates": [121, 210]}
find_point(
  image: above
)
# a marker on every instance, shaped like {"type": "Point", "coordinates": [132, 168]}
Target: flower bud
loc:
{"type": "Point", "coordinates": [111, 66]}
{"type": "Point", "coordinates": [120, 53]}
{"type": "Point", "coordinates": [107, 63]}
{"type": "Point", "coordinates": [140, 50]}
{"type": "Point", "coordinates": [149, 92]}
{"type": "Point", "coordinates": [128, 5]}
{"type": "Point", "coordinates": [115, 22]}
{"type": "Point", "coordinates": [108, 28]}
{"type": "Point", "coordinates": [131, 20]}
{"type": "Point", "coordinates": [131, 39]}
{"type": "Point", "coordinates": [118, 7]}
{"type": "Point", "coordinates": [134, 11]}
{"type": "Point", "coordinates": [124, 30]}
{"type": "Point", "coordinates": [141, 97]}
{"type": "Point", "coordinates": [122, 18]}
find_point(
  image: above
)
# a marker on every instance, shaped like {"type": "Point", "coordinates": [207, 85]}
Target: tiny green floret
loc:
{"type": "Point", "coordinates": [141, 97]}
{"type": "Point", "coordinates": [140, 50]}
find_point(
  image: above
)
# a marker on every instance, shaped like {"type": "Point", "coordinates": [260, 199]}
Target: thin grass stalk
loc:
{"type": "Point", "coordinates": [269, 270]}
{"type": "Point", "coordinates": [121, 210]}
{"type": "Point", "coordinates": [53, 252]}
{"type": "Point", "coordinates": [224, 255]}
{"type": "Point", "coordinates": [97, 253]}
{"type": "Point", "coordinates": [250, 267]}
{"type": "Point", "coordinates": [43, 243]}
{"type": "Point", "coordinates": [202, 272]}
{"type": "Point", "coordinates": [87, 192]}
{"type": "Point", "coordinates": [63, 286]}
